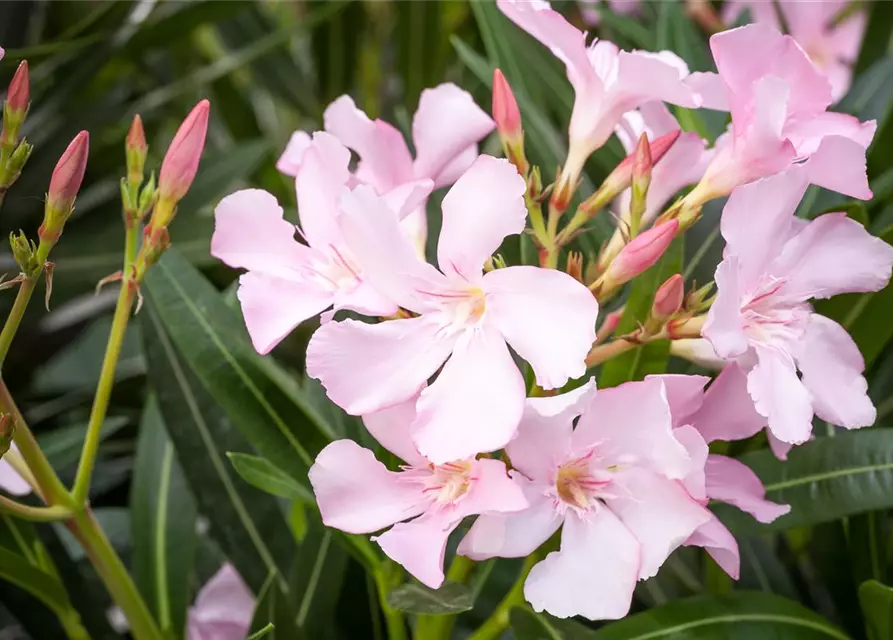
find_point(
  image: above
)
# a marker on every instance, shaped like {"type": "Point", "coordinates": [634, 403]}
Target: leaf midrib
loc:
{"type": "Point", "coordinates": [828, 475]}
{"type": "Point", "coordinates": [743, 617]}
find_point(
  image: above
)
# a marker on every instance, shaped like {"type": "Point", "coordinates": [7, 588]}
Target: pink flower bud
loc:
{"type": "Point", "coordinates": [641, 253]}
{"type": "Point", "coordinates": [609, 325]}
{"type": "Point", "coordinates": [622, 175]}
{"type": "Point", "coordinates": [505, 108]}
{"type": "Point", "coordinates": [69, 174]}
{"type": "Point", "coordinates": [668, 299]}
{"type": "Point", "coordinates": [19, 93]}
{"type": "Point", "coordinates": [136, 150]}
{"type": "Point", "coordinates": [181, 160]}
{"type": "Point", "coordinates": [136, 136]}
{"type": "Point", "coordinates": [642, 162]}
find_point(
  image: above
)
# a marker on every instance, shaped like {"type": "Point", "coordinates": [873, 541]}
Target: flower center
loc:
{"type": "Point", "coordinates": [578, 486]}
{"type": "Point", "coordinates": [449, 482]}
{"type": "Point", "coordinates": [340, 271]}
{"type": "Point", "coordinates": [770, 319]}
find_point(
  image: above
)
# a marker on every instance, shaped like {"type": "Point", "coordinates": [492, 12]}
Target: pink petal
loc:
{"type": "Point", "coordinates": [658, 512]}
{"type": "Point", "coordinates": [727, 412]}
{"type": "Point", "coordinates": [757, 220]}
{"type": "Point", "coordinates": [364, 299]}
{"type": "Point", "coordinates": [606, 423]}
{"type": "Point", "coordinates": [643, 76]}
{"type": "Point", "coordinates": [839, 165]}
{"type": "Point", "coordinates": [685, 394]}
{"type": "Point", "coordinates": [224, 600]}
{"type": "Point", "coordinates": [594, 573]}
{"type": "Point", "coordinates": [513, 535]}
{"type": "Point", "coordinates": [484, 206]}
{"type": "Point", "coordinates": [724, 327]}
{"type": "Point", "coordinates": [408, 197]}
{"type": "Point", "coordinates": [290, 161]}
{"type": "Point", "coordinates": [476, 402]}
{"type": "Point", "coordinates": [711, 90]}
{"type": "Point", "coordinates": [251, 233]}
{"type": "Point", "coordinates": [760, 11]}
{"type": "Point", "coordinates": [459, 165]}
{"type": "Point", "coordinates": [732, 481]}
{"type": "Point", "coordinates": [273, 307]}
{"type": "Point", "coordinates": [779, 449]}
{"type": "Point", "coordinates": [320, 183]}
{"type": "Point", "coordinates": [807, 133]}
{"type": "Point", "coordinates": [833, 254]}
{"type": "Point", "coordinates": [419, 546]}
{"type": "Point", "coordinates": [543, 440]}
{"type": "Point", "coordinates": [832, 369]}
{"type": "Point", "coordinates": [357, 494]}
{"type": "Point", "coordinates": [547, 317]}
{"type": "Point", "coordinates": [367, 367]}
{"type": "Point", "coordinates": [492, 491]}
{"type": "Point", "coordinates": [392, 428]}
{"type": "Point", "coordinates": [695, 481]}
{"type": "Point", "coordinates": [446, 123]}
{"type": "Point", "coordinates": [720, 544]}
{"type": "Point", "coordinates": [779, 395]}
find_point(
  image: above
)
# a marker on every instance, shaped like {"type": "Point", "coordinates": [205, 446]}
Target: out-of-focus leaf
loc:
{"type": "Point", "coordinates": [218, 174]}
{"type": "Point", "coordinates": [163, 518]}
{"type": "Point", "coordinates": [262, 474]}
{"type": "Point", "coordinates": [247, 524]}
{"type": "Point", "coordinates": [272, 610]}
{"type": "Point", "coordinates": [62, 447]}
{"type": "Point", "coordinates": [876, 41]}
{"type": "Point", "coordinates": [823, 480]}
{"type": "Point", "coordinates": [39, 583]}
{"type": "Point", "coordinates": [877, 608]}
{"type": "Point", "coordinates": [651, 357]}
{"type": "Point", "coordinates": [527, 625]}
{"type": "Point", "coordinates": [413, 597]}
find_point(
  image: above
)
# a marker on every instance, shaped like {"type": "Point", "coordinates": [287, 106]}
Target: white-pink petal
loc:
{"type": "Point", "coordinates": [734, 482]}
{"type": "Point", "coordinates": [780, 396]}
{"type": "Point", "coordinates": [419, 546]}
{"type": "Point", "coordinates": [290, 161]}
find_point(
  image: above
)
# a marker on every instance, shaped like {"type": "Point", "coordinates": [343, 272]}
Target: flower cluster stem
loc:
{"type": "Point", "coordinates": [499, 619]}
{"type": "Point", "coordinates": [386, 577]}
{"type": "Point", "coordinates": [23, 297]}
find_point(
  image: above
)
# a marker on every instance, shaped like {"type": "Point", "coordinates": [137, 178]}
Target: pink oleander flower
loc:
{"type": "Point", "coordinates": [616, 491]}
{"type": "Point", "coordinates": [607, 82]}
{"type": "Point", "coordinates": [10, 480]}
{"type": "Point", "coordinates": [288, 282]}
{"type": "Point", "coordinates": [779, 103]}
{"type": "Point", "coordinates": [465, 319]}
{"type": "Point", "coordinates": [833, 48]}
{"type": "Point", "coordinates": [723, 412]}
{"type": "Point", "coordinates": [223, 609]}
{"type": "Point", "coordinates": [446, 129]}
{"type": "Point", "coordinates": [424, 501]}
{"type": "Point", "coordinates": [774, 264]}
{"type": "Point", "coordinates": [592, 16]}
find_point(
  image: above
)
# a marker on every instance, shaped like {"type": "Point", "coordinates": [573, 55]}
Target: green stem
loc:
{"type": "Point", "coordinates": [23, 297]}
{"type": "Point", "coordinates": [440, 627]}
{"type": "Point", "coordinates": [131, 241]}
{"type": "Point", "coordinates": [103, 391]}
{"type": "Point", "coordinates": [34, 514]}
{"type": "Point", "coordinates": [113, 573]}
{"type": "Point", "coordinates": [499, 619]}
{"type": "Point", "coordinates": [386, 578]}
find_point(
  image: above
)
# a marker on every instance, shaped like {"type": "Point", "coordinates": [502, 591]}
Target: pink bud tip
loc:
{"type": "Point", "coordinates": [181, 160]}
{"type": "Point", "coordinates": [505, 108]}
{"type": "Point", "coordinates": [69, 173]}
{"type": "Point", "coordinates": [19, 93]}
{"type": "Point", "coordinates": [642, 252]}
{"type": "Point", "coordinates": [622, 174]}
{"type": "Point", "coordinates": [642, 161]}
{"type": "Point", "coordinates": [669, 296]}
{"type": "Point", "coordinates": [136, 136]}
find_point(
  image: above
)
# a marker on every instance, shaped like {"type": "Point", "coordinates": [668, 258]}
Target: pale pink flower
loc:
{"type": "Point", "coordinates": [723, 412]}
{"type": "Point", "coordinates": [607, 82]}
{"type": "Point", "coordinates": [223, 609]}
{"type": "Point", "coordinates": [774, 264]}
{"type": "Point", "coordinates": [779, 103]}
{"type": "Point", "coordinates": [445, 129]}
{"type": "Point", "coordinates": [592, 16]}
{"type": "Point", "coordinates": [288, 282]}
{"type": "Point", "coordinates": [614, 483]}
{"type": "Point", "coordinates": [424, 501]}
{"type": "Point", "coordinates": [465, 319]}
{"type": "Point", "coordinates": [833, 48]}
{"type": "Point", "coordinates": [10, 480]}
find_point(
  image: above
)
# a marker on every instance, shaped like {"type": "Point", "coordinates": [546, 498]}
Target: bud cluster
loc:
{"type": "Point", "coordinates": [14, 153]}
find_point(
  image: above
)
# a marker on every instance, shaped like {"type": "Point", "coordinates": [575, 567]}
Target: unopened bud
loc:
{"type": "Point", "coordinates": [11, 171]}
{"type": "Point", "coordinates": [699, 300]}
{"type": "Point", "coordinates": [183, 155]}
{"type": "Point", "coordinates": [575, 265]}
{"type": "Point", "coordinates": [609, 325]}
{"type": "Point", "coordinates": [7, 431]}
{"type": "Point", "coordinates": [640, 254]}
{"type": "Point", "coordinates": [622, 176]}
{"type": "Point", "coordinates": [15, 109]}
{"type": "Point", "coordinates": [136, 150]}
{"type": "Point", "coordinates": [535, 184]}
{"type": "Point", "coordinates": [505, 108]}
{"type": "Point", "coordinates": [24, 252]}
{"type": "Point", "coordinates": [64, 186]}
{"type": "Point", "coordinates": [147, 197]}
{"type": "Point", "coordinates": [668, 299]}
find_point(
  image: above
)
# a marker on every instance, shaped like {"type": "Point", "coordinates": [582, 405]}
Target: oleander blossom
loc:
{"type": "Point", "coordinates": [774, 264]}
{"type": "Point", "coordinates": [288, 282]}
{"type": "Point", "coordinates": [607, 82]}
{"type": "Point", "coordinates": [423, 503]}
{"type": "Point", "coordinates": [445, 129]}
{"type": "Point", "coordinates": [462, 318]}
{"type": "Point", "coordinates": [223, 608]}
{"type": "Point", "coordinates": [833, 47]}
{"type": "Point", "coordinates": [614, 485]}
{"type": "Point", "coordinates": [779, 102]}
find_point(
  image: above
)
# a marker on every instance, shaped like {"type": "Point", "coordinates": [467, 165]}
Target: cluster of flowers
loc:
{"type": "Point", "coordinates": [624, 472]}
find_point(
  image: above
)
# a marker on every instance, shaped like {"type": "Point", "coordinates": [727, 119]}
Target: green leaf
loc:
{"type": "Point", "coordinates": [528, 625]}
{"type": "Point", "coordinates": [262, 633]}
{"type": "Point", "coordinates": [739, 616]}
{"type": "Point", "coordinates": [413, 597]}
{"type": "Point", "coordinates": [652, 357]}
{"type": "Point", "coordinates": [823, 480]}
{"type": "Point", "coordinates": [247, 524]}
{"type": "Point", "coordinates": [272, 613]}
{"type": "Point", "coordinates": [163, 519]}
{"type": "Point", "coordinates": [877, 606]}
{"type": "Point", "coordinates": [260, 473]}
{"type": "Point", "coordinates": [257, 397]}
{"type": "Point", "coordinates": [48, 588]}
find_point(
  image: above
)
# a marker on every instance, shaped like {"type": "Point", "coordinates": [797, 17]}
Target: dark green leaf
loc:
{"type": "Point", "coordinates": [413, 597]}
{"type": "Point", "coordinates": [262, 474]}
{"type": "Point", "coordinates": [528, 625]}
{"type": "Point", "coordinates": [877, 607]}
{"type": "Point", "coordinates": [38, 582]}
